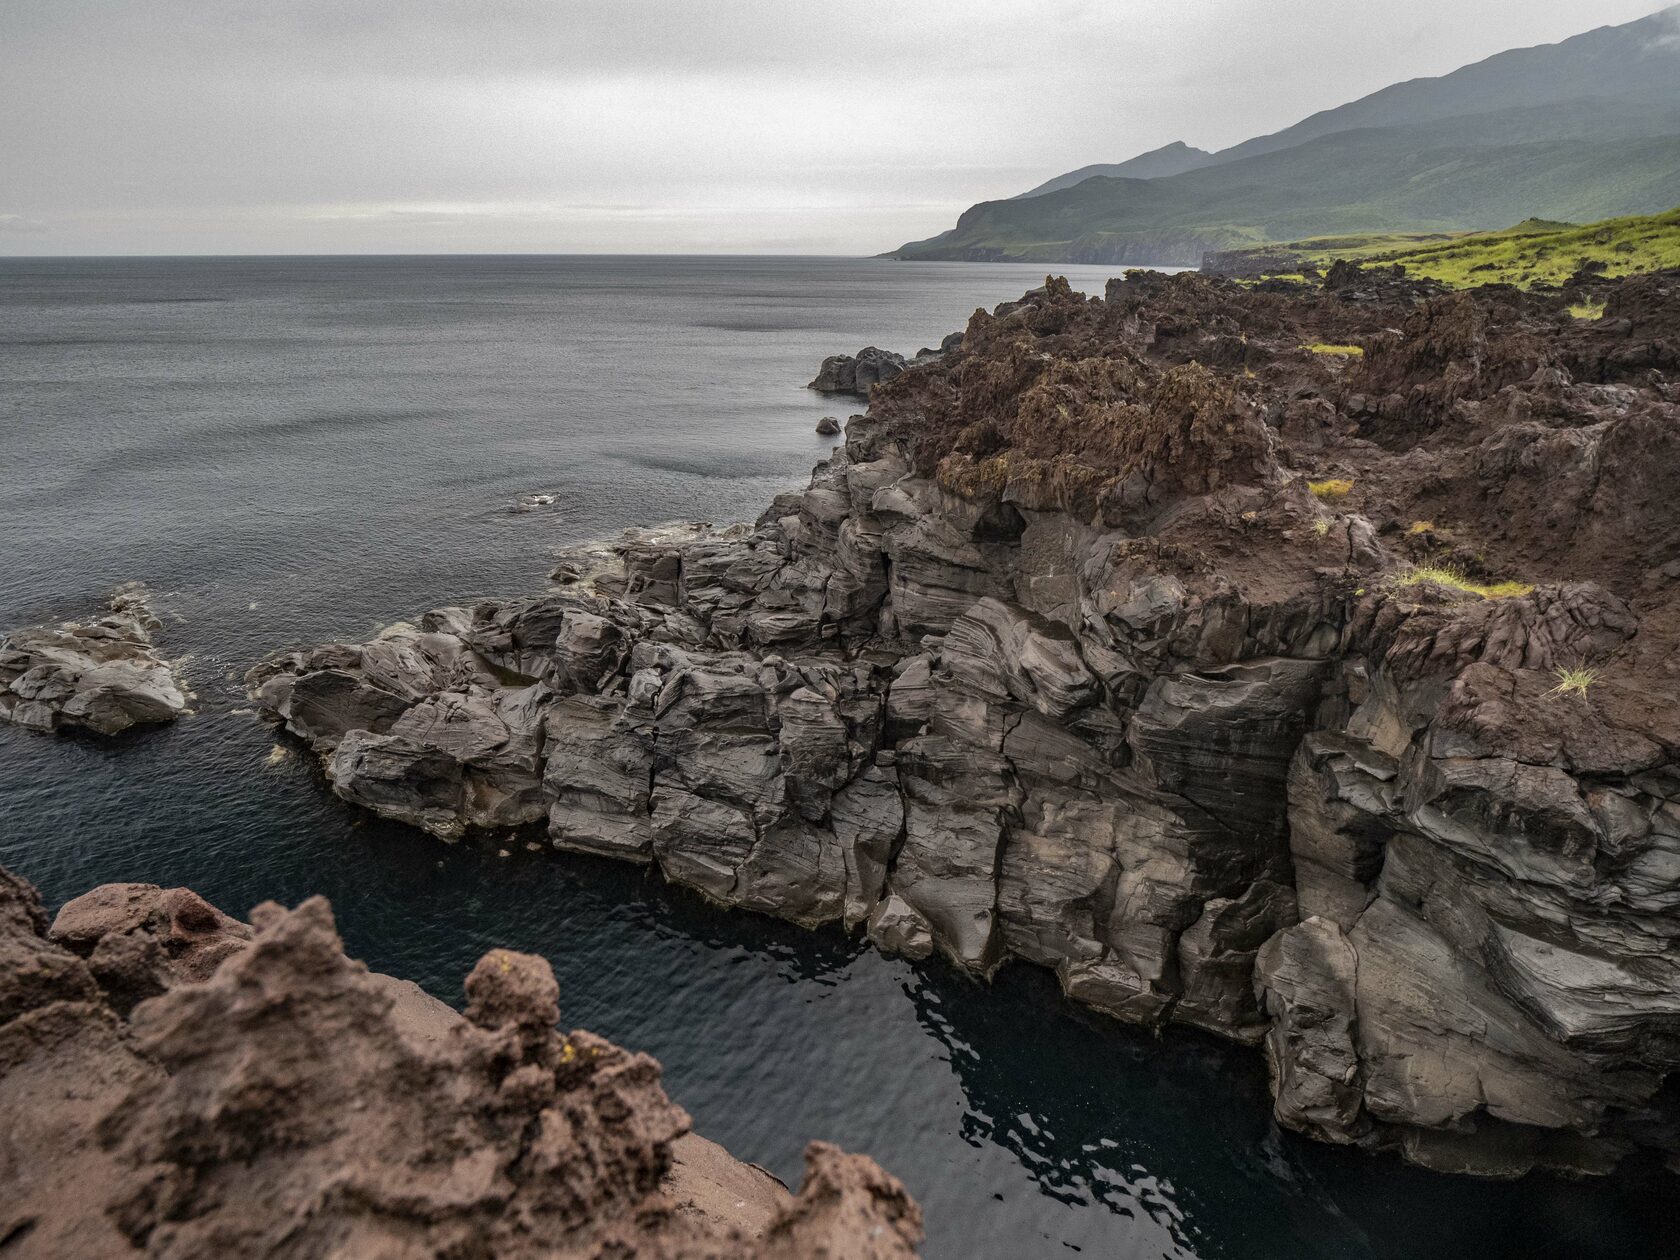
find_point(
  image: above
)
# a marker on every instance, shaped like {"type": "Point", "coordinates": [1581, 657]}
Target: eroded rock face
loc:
{"type": "Point", "coordinates": [103, 676]}
{"type": "Point", "coordinates": [1100, 644]}
{"type": "Point", "coordinates": [273, 1098]}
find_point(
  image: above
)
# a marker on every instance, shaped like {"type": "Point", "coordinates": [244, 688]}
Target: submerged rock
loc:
{"type": "Point", "coordinates": [1120, 641]}
{"type": "Point", "coordinates": [103, 676]}
{"type": "Point", "coordinates": [271, 1097]}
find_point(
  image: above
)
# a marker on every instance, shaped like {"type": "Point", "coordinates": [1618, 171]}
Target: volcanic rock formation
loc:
{"type": "Point", "coordinates": [1296, 662]}
{"type": "Point", "coordinates": [104, 676]}
{"type": "Point", "coordinates": [857, 374]}
{"type": "Point", "coordinates": [174, 1083]}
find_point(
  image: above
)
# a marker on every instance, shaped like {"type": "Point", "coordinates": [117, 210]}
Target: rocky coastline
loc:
{"type": "Point", "coordinates": [1291, 661]}
{"type": "Point", "coordinates": [177, 1083]}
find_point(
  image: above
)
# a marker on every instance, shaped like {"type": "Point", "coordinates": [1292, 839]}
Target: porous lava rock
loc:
{"type": "Point", "coordinates": [273, 1098]}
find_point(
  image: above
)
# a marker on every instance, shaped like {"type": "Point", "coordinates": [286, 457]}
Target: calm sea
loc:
{"type": "Point", "coordinates": [294, 450]}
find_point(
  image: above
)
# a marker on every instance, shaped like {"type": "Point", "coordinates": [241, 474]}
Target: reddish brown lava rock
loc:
{"type": "Point", "coordinates": [274, 1098]}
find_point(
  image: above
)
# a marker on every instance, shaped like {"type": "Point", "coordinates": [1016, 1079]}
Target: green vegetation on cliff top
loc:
{"type": "Point", "coordinates": [1533, 252]}
{"type": "Point", "coordinates": [1547, 253]}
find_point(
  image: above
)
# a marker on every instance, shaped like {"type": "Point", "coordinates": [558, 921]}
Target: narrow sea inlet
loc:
{"type": "Point", "coordinates": [293, 450]}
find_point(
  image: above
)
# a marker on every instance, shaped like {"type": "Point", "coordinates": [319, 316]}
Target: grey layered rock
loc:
{"type": "Point", "coordinates": [103, 676]}
{"type": "Point", "coordinates": [859, 373]}
{"type": "Point", "coordinates": [987, 728]}
{"type": "Point", "coordinates": [458, 759]}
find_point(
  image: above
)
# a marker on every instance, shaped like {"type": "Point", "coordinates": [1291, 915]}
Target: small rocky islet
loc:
{"type": "Point", "coordinates": [102, 676]}
{"type": "Point", "coordinates": [1291, 660]}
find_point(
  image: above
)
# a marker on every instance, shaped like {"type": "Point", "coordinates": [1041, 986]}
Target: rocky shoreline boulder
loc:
{"type": "Point", "coordinates": [176, 1083]}
{"type": "Point", "coordinates": [859, 373]}
{"type": "Point", "coordinates": [1295, 664]}
{"type": "Point", "coordinates": [102, 676]}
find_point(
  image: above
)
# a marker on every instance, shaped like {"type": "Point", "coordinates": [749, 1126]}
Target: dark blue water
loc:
{"type": "Point", "coordinates": [293, 450]}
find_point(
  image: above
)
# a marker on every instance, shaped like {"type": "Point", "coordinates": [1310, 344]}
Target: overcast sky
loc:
{"type": "Point", "coordinates": [691, 126]}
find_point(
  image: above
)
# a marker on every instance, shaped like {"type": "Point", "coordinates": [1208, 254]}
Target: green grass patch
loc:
{"type": "Point", "coordinates": [1331, 488]}
{"type": "Point", "coordinates": [1587, 311]}
{"type": "Point", "coordinates": [1536, 252]}
{"type": "Point", "coordinates": [1340, 352]}
{"type": "Point", "coordinates": [1456, 579]}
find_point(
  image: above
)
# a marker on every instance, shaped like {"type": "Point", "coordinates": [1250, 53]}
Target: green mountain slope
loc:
{"type": "Point", "coordinates": [1585, 129]}
{"type": "Point", "coordinates": [1172, 159]}
{"type": "Point", "coordinates": [1638, 60]}
{"type": "Point", "coordinates": [1357, 182]}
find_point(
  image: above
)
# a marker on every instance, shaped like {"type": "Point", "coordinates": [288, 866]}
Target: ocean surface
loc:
{"type": "Point", "coordinates": [289, 451]}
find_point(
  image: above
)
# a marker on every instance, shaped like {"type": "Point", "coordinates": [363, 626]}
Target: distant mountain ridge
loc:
{"type": "Point", "coordinates": [1172, 159]}
{"type": "Point", "coordinates": [1585, 129]}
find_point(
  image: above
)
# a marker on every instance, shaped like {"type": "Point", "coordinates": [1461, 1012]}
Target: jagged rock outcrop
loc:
{"type": "Point", "coordinates": [270, 1097]}
{"type": "Point", "coordinates": [103, 676]}
{"type": "Point", "coordinates": [857, 373]}
{"type": "Point", "coordinates": [1243, 686]}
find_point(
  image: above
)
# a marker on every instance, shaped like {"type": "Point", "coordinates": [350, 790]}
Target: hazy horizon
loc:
{"type": "Point", "coordinates": [644, 126]}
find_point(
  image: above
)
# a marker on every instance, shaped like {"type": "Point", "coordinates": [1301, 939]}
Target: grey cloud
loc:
{"type": "Point", "coordinates": [597, 124]}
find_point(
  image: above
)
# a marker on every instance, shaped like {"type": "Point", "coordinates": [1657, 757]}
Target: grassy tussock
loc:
{"type": "Point", "coordinates": [1331, 488]}
{"type": "Point", "coordinates": [1456, 579]}
{"type": "Point", "coordinates": [1574, 681]}
{"type": "Point", "coordinates": [1338, 352]}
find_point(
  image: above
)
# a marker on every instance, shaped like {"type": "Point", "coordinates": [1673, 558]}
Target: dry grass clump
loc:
{"type": "Point", "coordinates": [1574, 681]}
{"type": "Point", "coordinates": [1458, 580]}
{"type": "Point", "coordinates": [1331, 488]}
{"type": "Point", "coordinates": [1334, 351]}
{"type": "Point", "coordinates": [1588, 312]}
